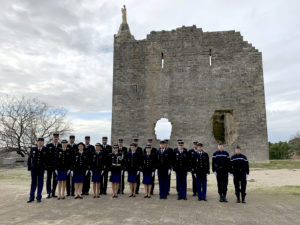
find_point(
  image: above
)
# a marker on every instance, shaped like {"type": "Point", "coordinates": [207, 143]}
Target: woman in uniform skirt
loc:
{"type": "Point", "coordinates": [133, 167]}
{"type": "Point", "coordinates": [148, 170]}
{"type": "Point", "coordinates": [98, 160]}
{"type": "Point", "coordinates": [116, 168]}
{"type": "Point", "coordinates": [62, 167]}
{"type": "Point", "coordinates": [80, 166]}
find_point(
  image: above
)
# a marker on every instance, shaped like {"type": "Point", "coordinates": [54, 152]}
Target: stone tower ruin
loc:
{"type": "Point", "coordinates": [209, 85]}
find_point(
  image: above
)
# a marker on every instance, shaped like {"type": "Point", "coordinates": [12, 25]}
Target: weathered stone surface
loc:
{"type": "Point", "coordinates": [188, 90]}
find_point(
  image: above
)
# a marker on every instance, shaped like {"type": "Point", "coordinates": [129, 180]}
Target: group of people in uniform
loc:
{"type": "Point", "coordinates": [72, 167]}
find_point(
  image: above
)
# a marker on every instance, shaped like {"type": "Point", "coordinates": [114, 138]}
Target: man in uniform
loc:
{"type": "Point", "coordinates": [124, 151]}
{"type": "Point", "coordinates": [70, 185]}
{"type": "Point", "coordinates": [51, 175]}
{"type": "Point", "coordinates": [169, 175]}
{"type": "Point", "coordinates": [181, 165]}
{"type": "Point", "coordinates": [89, 150]}
{"type": "Point", "coordinates": [200, 170]}
{"type": "Point", "coordinates": [36, 166]}
{"type": "Point", "coordinates": [240, 170]}
{"type": "Point", "coordinates": [164, 158]}
{"type": "Point", "coordinates": [107, 149]}
{"type": "Point", "coordinates": [191, 155]}
{"type": "Point", "coordinates": [153, 151]}
{"type": "Point", "coordinates": [221, 168]}
{"type": "Point", "coordinates": [139, 151]}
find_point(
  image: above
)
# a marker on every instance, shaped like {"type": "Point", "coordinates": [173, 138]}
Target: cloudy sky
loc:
{"type": "Point", "coordinates": [62, 51]}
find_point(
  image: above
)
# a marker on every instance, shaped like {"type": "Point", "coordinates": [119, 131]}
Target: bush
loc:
{"type": "Point", "coordinates": [280, 150]}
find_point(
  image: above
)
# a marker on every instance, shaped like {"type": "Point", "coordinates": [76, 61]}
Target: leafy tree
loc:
{"type": "Point", "coordinates": [280, 150]}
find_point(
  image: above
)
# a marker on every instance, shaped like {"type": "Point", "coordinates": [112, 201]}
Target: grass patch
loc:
{"type": "Point", "coordinates": [278, 164]}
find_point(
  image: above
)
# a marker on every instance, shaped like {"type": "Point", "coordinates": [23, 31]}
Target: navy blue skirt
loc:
{"type": "Point", "coordinates": [61, 175]}
{"type": "Point", "coordinates": [147, 179]}
{"type": "Point", "coordinates": [131, 177]}
{"type": "Point", "coordinates": [115, 178]}
{"type": "Point", "coordinates": [78, 178]}
{"type": "Point", "coordinates": [96, 177]}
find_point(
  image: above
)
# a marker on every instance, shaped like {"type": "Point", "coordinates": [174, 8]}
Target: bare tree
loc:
{"type": "Point", "coordinates": [23, 119]}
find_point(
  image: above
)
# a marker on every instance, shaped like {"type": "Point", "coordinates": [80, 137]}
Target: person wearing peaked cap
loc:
{"type": "Point", "coordinates": [107, 149]}
{"type": "Point", "coordinates": [79, 169]}
{"type": "Point", "coordinates": [37, 165]}
{"type": "Point", "coordinates": [139, 151]}
{"type": "Point", "coordinates": [148, 168]}
{"type": "Point", "coordinates": [89, 150]}
{"type": "Point", "coordinates": [191, 156]}
{"type": "Point", "coordinates": [124, 151]}
{"type": "Point", "coordinates": [153, 151]}
{"type": "Point", "coordinates": [162, 142]}
{"type": "Point", "coordinates": [221, 168]}
{"type": "Point", "coordinates": [133, 167]}
{"type": "Point", "coordinates": [164, 166]}
{"type": "Point", "coordinates": [181, 165]}
{"type": "Point", "coordinates": [62, 166]}
{"type": "Point", "coordinates": [51, 175]}
{"type": "Point", "coordinates": [97, 169]}
{"type": "Point", "coordinates": [200, 170]}
{"type": "Point", "coordinates": [70, 184]}
{"type": "Point", "coordinates": [179, 140]}
{"type": "Point", "coordinates": [116, 164]}
{"type": "Point", "coordinates": [240, 170]}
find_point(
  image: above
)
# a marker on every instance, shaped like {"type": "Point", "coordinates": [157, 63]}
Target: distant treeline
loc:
{"type": "Point", "coordinates": [285, 150]}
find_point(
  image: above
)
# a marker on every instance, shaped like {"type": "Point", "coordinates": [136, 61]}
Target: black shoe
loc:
{"type": "Point", "coordinates": [238, 201]}
{"type": "Point", "coordinates": [221, 199]}
{"type": "Point", "coordinates": [63, 198]}
{"type": "Point", "coordinates": [68, 195]}
{"type": "Point", "coordinates": [224, 199]}
{"type": "Point", "coordinates": [76, 197]}
{"type": "Point", "coordinates": [194, 194]}
{"type": "Point", "coordinates": [48, 196]}
{"type": "Point", "coordinates": [151, 193]}
{"type": "Point", "coordinates": [161, 197]}
{"type": "Point", "coordinates": [199, 199]}
{"type": "Point", "coordinates": [104, 193]}
{"type": "Point", "coordinates": [184, 198]}
{"type": "Point", "coordinates": [98, 196]}
{"type": "Point", "coordinates": [149, 196]}
{"type": "Point", "coordinates": [54, 196]}
{"type": "Point", "coordinates": [130, 196]}
{"type": "Point", "coordinates": [146, 196]}
{"type": "Point", "coordinates": [95, 196]}
{"type": "Point", "coordinates": [80, 197]}
{"type": "Point", "coordinates": [38, 200]}
{"type": "Point", "coordinates": [58, 198]}
{"type": "Point", "coordinates": [204, 199]}
{"type": "Point", "coordinates": [133, 196]}
{"type": "Point", "coordinates": [122, 193]}
{"type": "Point", "coordinates": [29, 201]}
{"type": "Point", "coordinates": [243, 201]}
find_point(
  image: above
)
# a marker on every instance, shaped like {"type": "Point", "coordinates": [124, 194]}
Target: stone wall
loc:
{"type": "Point", "coordinates": [189, 90]}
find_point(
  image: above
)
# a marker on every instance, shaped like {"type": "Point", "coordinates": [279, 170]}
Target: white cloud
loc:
{"type": "Point", "coordinates": [62, 51]}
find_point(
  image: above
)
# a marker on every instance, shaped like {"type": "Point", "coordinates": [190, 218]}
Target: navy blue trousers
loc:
{"type": "Point", "coordinates": [163, 183]}
{"type": "Point", "coordinates": [181, 184]}
{"type": "Point", "coordinates": [37, 181]}
{"type": "Point", "coordinates": [201, 187]}
{"type": "Point", "coordinates": [51, 176]}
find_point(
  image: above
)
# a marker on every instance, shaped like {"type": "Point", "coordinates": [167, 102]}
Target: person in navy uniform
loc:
{"type": "Point", "coordinates": [51, 175]}
{"type": "Point", "coordinates": [181, 163]}
{"type": "Point", "coordinates": [148, 169]}
{"type": "Point", "coordinates": [200, 170]}
{"type": "Point", "coordinates": [153, 151]}
{"type": "Point", "coordinates": [107, 149]}
{"type": "Point", "coordinates": [124, 151]}
{"type": "Point", "coordinates": [133, 167]}
{"type": "Point", "coordinates": [170, 174]}
{"type": "Point", "coordinates": [240, 171]}
{"type": "Point", "coordinates": [36, 166]}
{"type": "Point", "coordinates": [97, 169]}
{"type": "Point", "coordinates": [191, 155]}
{"type": "Point", "coordinates": [164, 165]}
{"type": "Point", "coordinates": [63, 162]}
{"type": "Point", "coordinates": [69, 183]}
{"type": "Point", "coordinates": [221, 167]}
{"type": "Point", "coordinates": [116, 168]}
{"type": "Point", "coordinates": [89, 150]}
{"type": "Point", "coordinates": [79, 169]}
{"type": "Point", "coordinates": [139, 151]}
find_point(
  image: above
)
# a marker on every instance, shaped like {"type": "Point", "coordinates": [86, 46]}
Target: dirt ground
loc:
{"type": "Point", "coordinates": [273, 197]}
